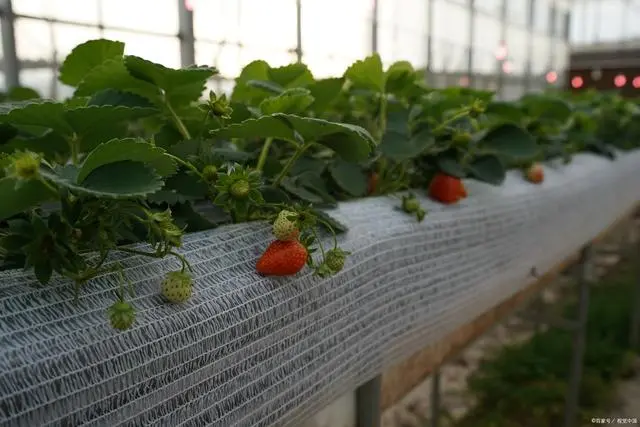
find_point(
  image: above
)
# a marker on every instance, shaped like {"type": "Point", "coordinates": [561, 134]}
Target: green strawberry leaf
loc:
{"type": "Point", "coordinates": [291, 101]}
{"type": "Point", "coordinates": [16, 200]}
{"type": "Point", "coordinates": [488, 168]}
{"type": "Point", "coordinates": [245, 93]}
{"type": "Point", "coordinates": [291, 75]}
{"type": "Point", "coordinates": [7, 133]}
{"type": "Point", "coordinates": [20, 93]}
{"type": "Point", "coordinates": [86, 120]}
{"type": "Point", "coordinates": [124, 179]}
{"type": "Point", "coordinates": [399, 77]}
{"type": "Point", "coordinates": [509, 140]}
{"type": "Point", "coordinates": [87, 56]}
{"type": "Point", "coordinates": [349, 177]}
{"type": "Point", "coordinates": [505, 111]}
{"type": "Point", "coordinates": [300, 191]}
{"type": "Point", "coordinates": [367, 74]}
{"type": "Point", "coordinates": [327, 219]}
{"type": "Point", "coordinates": [325, 92]}
{"type": "Point", "coordinates": [116, 97]}
{"type": "Point", "coordinates": [129, 149]}
{"type": "Point", "coordinates": [449, 163]}
{"type": "Point", "coordinates": [112, 74]}
{"type": "Point", "coordinates": [51, 144]}
{"type": "Point", "coordinates": [266, 86]}
{"type": "Point", "coordinates": [180, 86]}
{"type": "Point", "coordinates": [46, 114]}
{"type": "Point", "coordinates": [350, 142]}
{"type": "Point", "coordinates": [398, 144]}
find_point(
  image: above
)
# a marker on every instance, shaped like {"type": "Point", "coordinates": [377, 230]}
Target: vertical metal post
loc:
{"type": "Point", "coordinates": [435, 398]}
{"type": "Point", "coordinates": [11, 64]}
{"type": "Point", "coordinates": [185, 34]}
{"type": "Point", "coordinates": [374, 27]}
{"type": "Point", "coordinates": [528, 72]}
{"type": "Point", "coordinates": [503, 39]}
{"type": "Point", "coordinates": [299, 30]}
{"type": "Point", "coordinates": [472, 28]}
{"type": "Point", "coordinates": [368, 403]}
{"type": "Point", "coordinates": [579, 338]}
{"type": "Point", "coordinates": [429, 69]}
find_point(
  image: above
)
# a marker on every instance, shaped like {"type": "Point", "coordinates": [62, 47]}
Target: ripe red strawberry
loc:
{"type": "Point", "coordinates": [535, 173]}
{"type": "Point", "coordinates": [446, 189]}
{"type": "Point", "coordinates": [282, 258]}
{"type": "Point", "coordinates": [372, 184]}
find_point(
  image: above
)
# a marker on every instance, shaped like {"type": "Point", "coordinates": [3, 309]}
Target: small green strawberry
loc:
{"type": "Point", "coordinates": [177, 286]}
{"type": "Point", "coordinates": [284, 228]}
{"type": "Point", "coordinates": [410, 204]}
{"type": "Point", "coordinates": [334, 259]}
{"type": "Point", "coordinates": [122, 315]}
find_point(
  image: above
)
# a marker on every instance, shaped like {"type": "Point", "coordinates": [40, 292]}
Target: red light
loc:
{"type": "Point", "coordinates": [620, 80]}
{"type": "Point", "coordinates": [501, 52]}
{"type": "Point", "coordinates": [636, 82]}
{"type": "Point", "coordinates": [552, 77]}
{"type": "Point", "coordinates": [464, 81]}
{"type": "Point", "coordinates": [506, 67]}
{"type": "Point", "coordinates": [188, 4]}
{"type": "Point", "coordinates": [577, 82]}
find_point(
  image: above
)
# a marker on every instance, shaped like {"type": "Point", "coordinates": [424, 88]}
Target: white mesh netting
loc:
{"type": "Point", "coordinates": [253, 351]}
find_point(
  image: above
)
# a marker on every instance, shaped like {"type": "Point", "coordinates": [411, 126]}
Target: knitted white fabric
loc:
{"type": "Point", "coordinates": [253, 351]}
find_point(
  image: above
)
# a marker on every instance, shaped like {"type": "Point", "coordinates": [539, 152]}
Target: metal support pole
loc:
{"type": "Point", "coordinates": [503, 39]}
{"type": "Point", "coordinates": [11, 64]}
{"type": "Point", "coordinates": [579, 338]}
{"type": "Point", "coordinates": [472, 28]}
{"type": "Point", "coordinates": [368, 403]}
{"type": "Point", "coordinates": [187, 39]}
{"type": "Point", "coordinates": [299, 30]}
{"type": "Point", "coordinates": [435, 398]}
{"type": "Point", "coordinates": [374, 27]}
{"type": "Point", "coordinates": [528, 72]}
{"type": "Point", "coordinates": [429, 69]}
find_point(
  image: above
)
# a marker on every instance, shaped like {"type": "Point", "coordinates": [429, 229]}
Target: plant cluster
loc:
{"type": "Point", "coordinates": [129, 157]}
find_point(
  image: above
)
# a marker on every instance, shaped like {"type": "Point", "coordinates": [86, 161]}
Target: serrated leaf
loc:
{"type": "Point", "coordinates": [510, 141]}
{"type": "Point", "coordinates": [367, 73]}
{"type": "Point", "coordinates": [27, 196]}
{"type": "Point", "coordinates": [325, 92]}
{"type": "Point", "coordinates": [399, 77]}
{"type": "Point", "coordinates": [116, 97]}
{"type": "Point", "coordinates": [291, 101]}
{"type": "Point", "coordinates": [336, 225]}
{"type": "Point", "coordinates": [308, 164]}
{"type": "Point", "coordinates": [129, 149]}
{"type": "Point", "coordinates": [120, 180]}
{"type": "Point", "coordinates": [87, 56]}
{"type": "Point", "coordinates": [242, 92]}
{"type": "Point", "coordinates": [112, 74]}
{"type": "Point", "coordinates": [350, 142]}
{"type": "Point", "coordinates": [489, 169]}
{"type": "Point", "coordinates": [349, 177]}
{"type": "Point", "coordinates": [449, 163]}
{"type": "Point", "coordinates": [20, 93]}
{"type": "Point", "coordinates": [46, 114]}
{"type": "Point", "coordinates": [266, 86]}
{"type": "Point", "coordinates": [300, 191]}
{"type": "Point", "coordinates": [51, 144]}
{"type": "Point", "coordinates": [85, 120]}
{"type": "Point", "coordinates": [291, 75]}
{"type": "Point", "coordinates": [397, 144]}
{"type": "Point", "coordinates": [179, 85]}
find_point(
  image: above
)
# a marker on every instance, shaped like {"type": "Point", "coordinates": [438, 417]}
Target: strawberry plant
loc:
{"type": "Point", "coordinates": [139, 148]}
